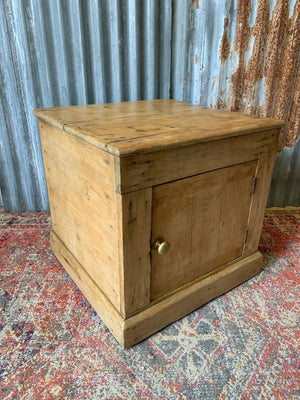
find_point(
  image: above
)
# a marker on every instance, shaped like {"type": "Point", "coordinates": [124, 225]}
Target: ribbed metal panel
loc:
{"type": "Point", "coordinates": [243, 55]}
{"type": "Point", "coordinates": [1, 200]}
{"type": "Point", "coordinates": [231, 54]}
{"type": "Point", "coordinates": [64, 52]}
{"type": "Point", "coordinates": [285, 186]}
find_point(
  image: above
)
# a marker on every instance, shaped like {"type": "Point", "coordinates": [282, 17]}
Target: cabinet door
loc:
{"type": "Point", "coordinates": [204, 219]}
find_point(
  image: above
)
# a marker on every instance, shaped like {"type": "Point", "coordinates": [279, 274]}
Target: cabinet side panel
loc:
{"type": "Point", "coordinates": [80, 180]}
{"type": "Point", "coordinates": [106, 311]}
{"type": "Point", "coordinates": [134, 244]}
{"type": "Point", "coordinates": [259, 202]}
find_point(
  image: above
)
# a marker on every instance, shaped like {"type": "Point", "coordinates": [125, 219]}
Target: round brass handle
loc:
{"type": "Point", "coordinates": [161, 246]}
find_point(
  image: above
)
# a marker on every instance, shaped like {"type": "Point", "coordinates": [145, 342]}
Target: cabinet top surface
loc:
{"type": "Point", "coordinates": [145, 126]}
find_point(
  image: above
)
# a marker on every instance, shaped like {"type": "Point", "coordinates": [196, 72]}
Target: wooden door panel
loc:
{"type": "Point", "coordinates": [177, 228]}
{"type": "Point", "coordinates": [203, 218]}
{"type": "Point", "coordinates": [206, 208]}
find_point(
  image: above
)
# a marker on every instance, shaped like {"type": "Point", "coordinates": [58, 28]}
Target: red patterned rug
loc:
{"type": "Point", "coordinates": [243, 345]}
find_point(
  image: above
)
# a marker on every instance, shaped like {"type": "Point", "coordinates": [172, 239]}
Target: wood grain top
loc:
{"type": "Point", "coordinates": [145, 126]}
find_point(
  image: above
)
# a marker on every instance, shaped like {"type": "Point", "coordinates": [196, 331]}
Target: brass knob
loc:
{"type": "Point", "coordinates": [161, 246]}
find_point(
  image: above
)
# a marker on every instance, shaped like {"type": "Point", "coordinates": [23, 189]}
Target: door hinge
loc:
{"type": "Point", "coordinates": [254, 181]}
{"type": "Point", "coordinates": [246, 235]}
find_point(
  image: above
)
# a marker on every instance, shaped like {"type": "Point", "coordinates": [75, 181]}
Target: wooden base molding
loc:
{"type": "Point", "coordinates": [129, 331]}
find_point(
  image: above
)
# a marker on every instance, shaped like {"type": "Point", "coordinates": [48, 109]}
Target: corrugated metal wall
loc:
{"type": "Point", "coordinates": [1, 200]}
{"type": "Point", "coordinates": [231, 54]}
{"type": "Point", "coordinates": [243, 55]}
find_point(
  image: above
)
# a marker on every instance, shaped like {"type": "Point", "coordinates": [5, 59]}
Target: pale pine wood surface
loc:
{"type": "Point", "coordinates": [134, 248]}
{"type": "Point", "coordinates": [146, 126]}
{"type": "Point", "coordinates": [80, 180]}
{"type": "Point", "coordinates": [121, 175]}
{"type": "Point", "coordinates": [203, 218]}
{"type": "Point", "coordinates": [146, 170]}
{"type": "Point", "coordinates": [258, 206]}
{"type": "Point", "coordinates": [108, 313]}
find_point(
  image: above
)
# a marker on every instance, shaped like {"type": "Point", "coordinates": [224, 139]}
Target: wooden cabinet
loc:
{"type": "Point", "coordinates": [157, 206]}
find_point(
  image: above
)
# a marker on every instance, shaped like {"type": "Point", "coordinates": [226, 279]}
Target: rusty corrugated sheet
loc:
{"type": "Point", "coordinates": [231, 54]}
{"type": "Point", "coordinates": [267, 84]}
{"type": "Point", "coordinates": [243, 55]}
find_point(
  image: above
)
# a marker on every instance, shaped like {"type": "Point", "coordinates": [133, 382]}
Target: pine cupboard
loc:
{"type": "Point", "coordinates": [157, 206]}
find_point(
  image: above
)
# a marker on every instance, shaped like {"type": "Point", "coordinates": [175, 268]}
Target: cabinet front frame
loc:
{"type": "Point", "coordinates": [142, 171]}
{"type": "Point", "coordinates": [135, 228]}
